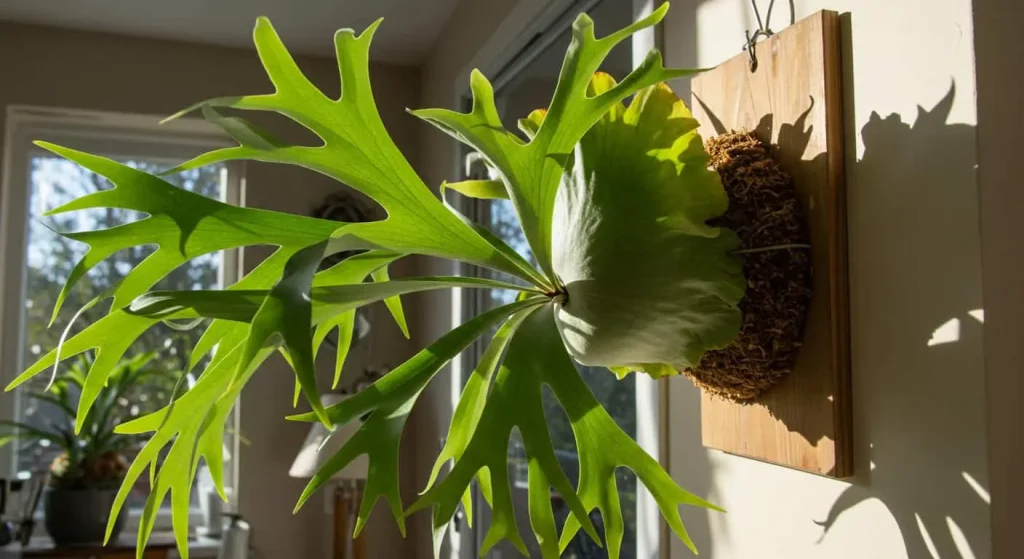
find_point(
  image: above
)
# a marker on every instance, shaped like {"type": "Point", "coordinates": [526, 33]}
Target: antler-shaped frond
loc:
{"type": "Point", "coordinates": [181, 224]}
{"type": "Point", "coordinates": [479, 440]}
{"type": "Point", "coordinates": [357, 151]}
{"type": "Point", "coordinates": [289, 310]}
{"type": "Point", "coordinates": [532, 170]}
{"type": "Point", "coordinates": [195, 422]}
{"type": "Point", "coordinates": [389, 401]}
{"type": "Point", "coordinates": [535, 358]}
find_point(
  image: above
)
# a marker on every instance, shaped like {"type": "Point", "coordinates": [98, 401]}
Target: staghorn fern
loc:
{"type": "Point", "coordinates": [613, 200]}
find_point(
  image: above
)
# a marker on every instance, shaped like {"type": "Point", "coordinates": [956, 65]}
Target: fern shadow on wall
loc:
{"type": "Point", "coordinates": [918, 390]}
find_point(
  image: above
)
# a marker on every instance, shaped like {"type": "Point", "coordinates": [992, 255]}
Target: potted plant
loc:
{"type": "Point", "coordinates": [90, 463]}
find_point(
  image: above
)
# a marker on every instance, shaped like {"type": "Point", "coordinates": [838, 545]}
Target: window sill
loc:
{"type": "Point", "coordinates": [131, 522]}
{"type": "Point", "coordinates": [199, 548]}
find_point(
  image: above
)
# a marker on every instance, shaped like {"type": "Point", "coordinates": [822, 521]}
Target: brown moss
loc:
{"type": "Point", "coordinates": [764, 212]}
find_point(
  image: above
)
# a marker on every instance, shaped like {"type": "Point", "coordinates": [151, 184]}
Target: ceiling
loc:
{"type": "Point", "coordinates": [406, 37]}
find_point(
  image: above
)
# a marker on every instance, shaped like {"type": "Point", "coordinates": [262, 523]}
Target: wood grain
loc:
{"type": "Point", "coordinates": [793, 101]}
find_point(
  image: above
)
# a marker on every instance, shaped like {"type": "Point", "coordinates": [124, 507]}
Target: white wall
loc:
{"type": "Point", "coordinates": [919, 409]}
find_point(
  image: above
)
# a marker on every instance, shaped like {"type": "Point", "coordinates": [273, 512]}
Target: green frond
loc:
{"type": "Point", "coordinates": [388, 402]}
{"type": "Point", "coordinates": [565, 177]}
{"type": "Point", "coordinates": [358, 151]}
{"type": "Point", "coordinates": [532, 171]}
{"type": "Point", "coordinates": [182, 225]}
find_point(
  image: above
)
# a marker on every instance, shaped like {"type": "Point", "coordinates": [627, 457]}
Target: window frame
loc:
{"type": "Point", "coordinates": [108, 133]}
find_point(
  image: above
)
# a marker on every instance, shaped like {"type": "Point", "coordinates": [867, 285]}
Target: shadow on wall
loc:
{"type": "Point", "coordinates": [918, 397]}
{"type": "Point", "coordinates": [916, 374]}
{"type": "Point", "coordinates": [917, 392]}
{"type": "Point", "coordinates": [915, 297]}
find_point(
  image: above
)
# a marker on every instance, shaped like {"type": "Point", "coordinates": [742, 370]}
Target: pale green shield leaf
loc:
{"type": "Point", "coordinates": [647, 280]}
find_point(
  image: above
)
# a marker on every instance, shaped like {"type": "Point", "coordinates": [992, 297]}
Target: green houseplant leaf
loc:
{"type": "Point", "coordinates": [357, 151]}
{"type": "Point", "coordinates": [588, 165]}
{"type": "Point", "coordinates": [667, 276]}
{"type": "Point", "coordinates": [536, 358]}
{"type": "Point", "coordinates": [182, 224]}
{"type": "Point", "coordinates": [532, 171]}
{"type": "Point", "coordinates": [355, 270]}
{"type": "Point", "coordinates": [195, 422]}
{"type": "Point", "coordinates": [390, 400]}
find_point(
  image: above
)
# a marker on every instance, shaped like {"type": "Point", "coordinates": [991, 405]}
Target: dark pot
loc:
{"type": "Point", "coordinates": [79, 516]}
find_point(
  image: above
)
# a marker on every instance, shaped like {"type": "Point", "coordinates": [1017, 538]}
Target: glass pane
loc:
{"type": "Point", "coordinates": [50, 259]}
{"type": "Point", "coordinates": [530, 89]}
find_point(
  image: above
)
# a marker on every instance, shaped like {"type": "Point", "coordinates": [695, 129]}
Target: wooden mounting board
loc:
{"type": "Point", "coordinates": [793, 101]}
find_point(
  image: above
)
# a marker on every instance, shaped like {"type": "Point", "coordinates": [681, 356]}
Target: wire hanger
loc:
{"type": "Point", "coordinates": [763, 30]}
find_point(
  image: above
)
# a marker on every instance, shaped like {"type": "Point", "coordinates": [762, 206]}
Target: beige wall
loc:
{"type": "Point", "coordinates": [49, 67]}
{"type": "Point", "coordinates": [915, 265]}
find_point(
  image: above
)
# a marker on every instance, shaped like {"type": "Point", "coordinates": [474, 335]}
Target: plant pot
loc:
{"type": "Point", "coordinates": [79, 516]}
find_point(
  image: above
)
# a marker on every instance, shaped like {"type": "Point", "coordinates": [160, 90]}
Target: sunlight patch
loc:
{"type": "Point", "coordinates": [948, 333]}
{"type": "Point", "coordinates": [977, 487]}
{"type": "Point", "coordinates": [959, 539]}
{"type": "Point", "coordinates": [926, 537]}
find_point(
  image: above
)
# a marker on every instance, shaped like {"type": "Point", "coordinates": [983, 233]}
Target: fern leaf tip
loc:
{"type": "Point", "coordinates": [182, 112]}
{"type": "Point", "coordinates": [371, 29]}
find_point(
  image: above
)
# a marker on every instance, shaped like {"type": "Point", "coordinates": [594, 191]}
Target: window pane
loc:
{"type": "Point", "coordinates": [505, 223]}
{"type": "Point", "coordinates": [50, 259]}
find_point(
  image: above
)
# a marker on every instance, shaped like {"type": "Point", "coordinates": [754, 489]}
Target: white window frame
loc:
{"type": "Point", "coordinates": [107, 133]}
{"type": "Point", "coordinates": [494, 58]}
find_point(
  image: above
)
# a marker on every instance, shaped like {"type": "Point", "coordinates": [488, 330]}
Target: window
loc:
{"type": "Point", "coordinates": [38, 260]}
{"type": "Point", "coordinates": [525, 83]}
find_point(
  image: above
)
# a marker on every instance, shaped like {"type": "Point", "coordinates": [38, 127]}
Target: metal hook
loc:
{"type": "Point", "coordinates": [763, 30]}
